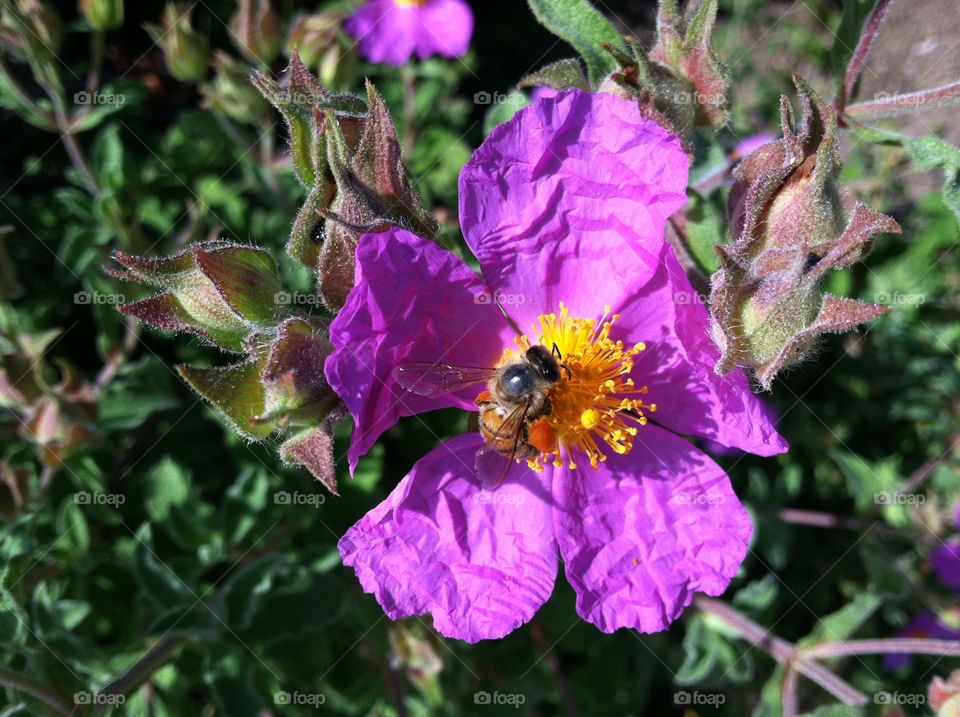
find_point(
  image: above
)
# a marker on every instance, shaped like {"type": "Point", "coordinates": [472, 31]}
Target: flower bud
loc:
{"type": "Point", "coordinates": [219, 291]}
{"type": "Point", "coordinates": [63, 420]}
{"type": "Point", "coordinates": [255, 31]}
{"type": "Point", "coordinates": [32, 30]}
{"type": "Point", "coordinates": [789, 229]}
{"type": "Point", "coordinates": [103, 14]}
{"type": "Point", "coordinates": [311, 36]}
{"type": "Point", "coordinates": [231, 92]}
{"type": "Point", "coordinates": [944, 695]}
{"type": "Point", "coordinates": [186, 51]}
{"type": "Point", "coordinates": [680, 83]}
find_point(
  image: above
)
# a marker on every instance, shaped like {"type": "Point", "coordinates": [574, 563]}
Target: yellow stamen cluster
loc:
{"type": "Point", "coordinates": [595, 400]}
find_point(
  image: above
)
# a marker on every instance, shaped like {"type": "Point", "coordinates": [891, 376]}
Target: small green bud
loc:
{"type": "Point", "coordinates": [789, 229]}
{"type": "Point", "coordinates": [680, 82]}
{"type": "Point", "coordinates": [219, 291]}
{"type": "Point", "coordinates": [32, 30]}
{"type": "Point", "coordinates": [103, 14]}
{"type": "Point", "coordinates": [255, 31]}
{"type": "Point", "coordinates": [311, 36]}
{"type": "Point", "coordinates": [186, 51]}
{"type": "Point", "coordinates": [231, 92]}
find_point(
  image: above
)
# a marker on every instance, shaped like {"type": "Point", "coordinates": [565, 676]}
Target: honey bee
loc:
{"type": "Point", "coordinates": [517, 397]}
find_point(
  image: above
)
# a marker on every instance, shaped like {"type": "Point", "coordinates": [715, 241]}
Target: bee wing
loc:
{"type": "Point", "coordinates": [492, 465]}
{"type": "Point", "coordinates": [431, 379]}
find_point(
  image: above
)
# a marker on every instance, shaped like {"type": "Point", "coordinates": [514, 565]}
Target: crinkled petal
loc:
{"type": "Point", "coordinates": [446, 27]}
{"type": "Point", "coordinates": [413, 301]}
{"type": "Point", "coordinates": [567, 202]}
{"type": "Point", "coordinates": [481, 561]}
{"type": "Point", "coordinates": [644, 532]}
{"type": "Point", "coordinates": [678, 366]}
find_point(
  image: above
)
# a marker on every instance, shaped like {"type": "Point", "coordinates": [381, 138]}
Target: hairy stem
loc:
{"type": "Point", "coordinates": [889, 106]}
{"type": "Point", "coordinates": [867, 38]}
{"type": "Point", "coordinates": [914, 646]}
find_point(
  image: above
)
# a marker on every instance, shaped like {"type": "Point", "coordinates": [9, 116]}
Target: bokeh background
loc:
{"type": "Point", "coordinates": [137, 529]}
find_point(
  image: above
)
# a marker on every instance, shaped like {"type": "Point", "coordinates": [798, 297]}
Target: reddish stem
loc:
{"type": "Point", "coordinates": [867, 38]}
{"type": "Point", "coordinates": [888, 106]}
{"type": "Point", "coordinates": [916, 646]}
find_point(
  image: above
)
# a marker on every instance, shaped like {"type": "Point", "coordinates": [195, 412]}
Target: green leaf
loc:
{"type": "Point", "coordinates": [229, 677]}
{"type": "Point", "coordinates": [106, 158]}
{"type": "Point", "coordinates": [71, 525]}
{"type": "Point", "coordinates": [158, 581]}
{"type": "Point", "coordinates": [709, 654]}
{"type": "Point", "coordinates": [502, 111]}
{"type": "Point", "coordinates": [236, 392]}
{"type": "Point", "coordinates": [927, 152]}
{"type": "Point", "coordinates": [168, 484]}
{"type": "Point", "coordinates": [580, 24]}
{"type": "Point", "coordinates": [560, 75]}
{"type": "Point", "coordinates": [844, 622]}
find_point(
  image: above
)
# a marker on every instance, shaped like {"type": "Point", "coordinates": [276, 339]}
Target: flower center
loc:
{"type": "Point", "coordinates": [411, 3]}
{"type": "Point", "coordinates": [595, 401]}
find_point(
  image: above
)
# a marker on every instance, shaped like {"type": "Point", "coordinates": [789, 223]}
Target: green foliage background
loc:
{"type": "Point", "coordinates": [243, 598]}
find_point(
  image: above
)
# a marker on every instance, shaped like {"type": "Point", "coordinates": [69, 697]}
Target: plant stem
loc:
{"type": "Point", "coordinates": [867, 37]}
{"type": "Point", "coordinates": [408, 77]}
{"type": "Point", "coordinates": [915, 646]}
{"type": "Point", "coordinates": [96, 61]}
{"type": "Point", "coordinates": [70, 144]}
{"type": "Point", "coordinates": [784, 652]}
{"type": "Point", "coordinates": [29, 686]}
{"type": "Point", "coordinates": [131, 678]}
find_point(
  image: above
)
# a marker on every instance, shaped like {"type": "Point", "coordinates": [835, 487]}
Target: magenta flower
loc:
{"type": "Point", "coordinates": [946, 564]}
{"type": "Point", "coordinates": [391, 31]}
{"type": "Point", "coordinates": [564, 206]}
{"type": "Point", "coordinates": [925, 625]}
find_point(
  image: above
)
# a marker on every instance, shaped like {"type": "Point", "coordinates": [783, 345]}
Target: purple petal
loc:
{"type": "Point", "coordinates": [391, 32]}
{"type": "Point", "coordinates": [413, 301]}
{"type": "Point", "coordinates": [925, 625]}
{"type": "Point", "coordinates": [567, 202]}
{"type": "Point", "coordinates": [677, 365]}
{"type": "Point", "coordinates": [446, 27]}
{"type": "Point", "coordinates": [481, 561]}
{"type": "Point", "coordinates": [946, 564]}
{"type": "Point", "coordinates": [644, 532]}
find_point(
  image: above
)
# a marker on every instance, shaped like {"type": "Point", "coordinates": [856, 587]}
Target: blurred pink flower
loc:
{"type": "Point", "coordinates": [392, 31]}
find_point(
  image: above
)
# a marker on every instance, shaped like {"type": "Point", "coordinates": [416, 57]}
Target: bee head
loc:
{"type": "Point", "coordinates": [544, 363]}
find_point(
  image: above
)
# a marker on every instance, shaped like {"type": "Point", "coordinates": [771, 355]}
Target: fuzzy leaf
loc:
{"type": "Point", "coordinates": [560, 75]}
{"type": "Point", "coordinates": [236, 392]}
{"type": "Point", "coordinates": [580, 24]}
